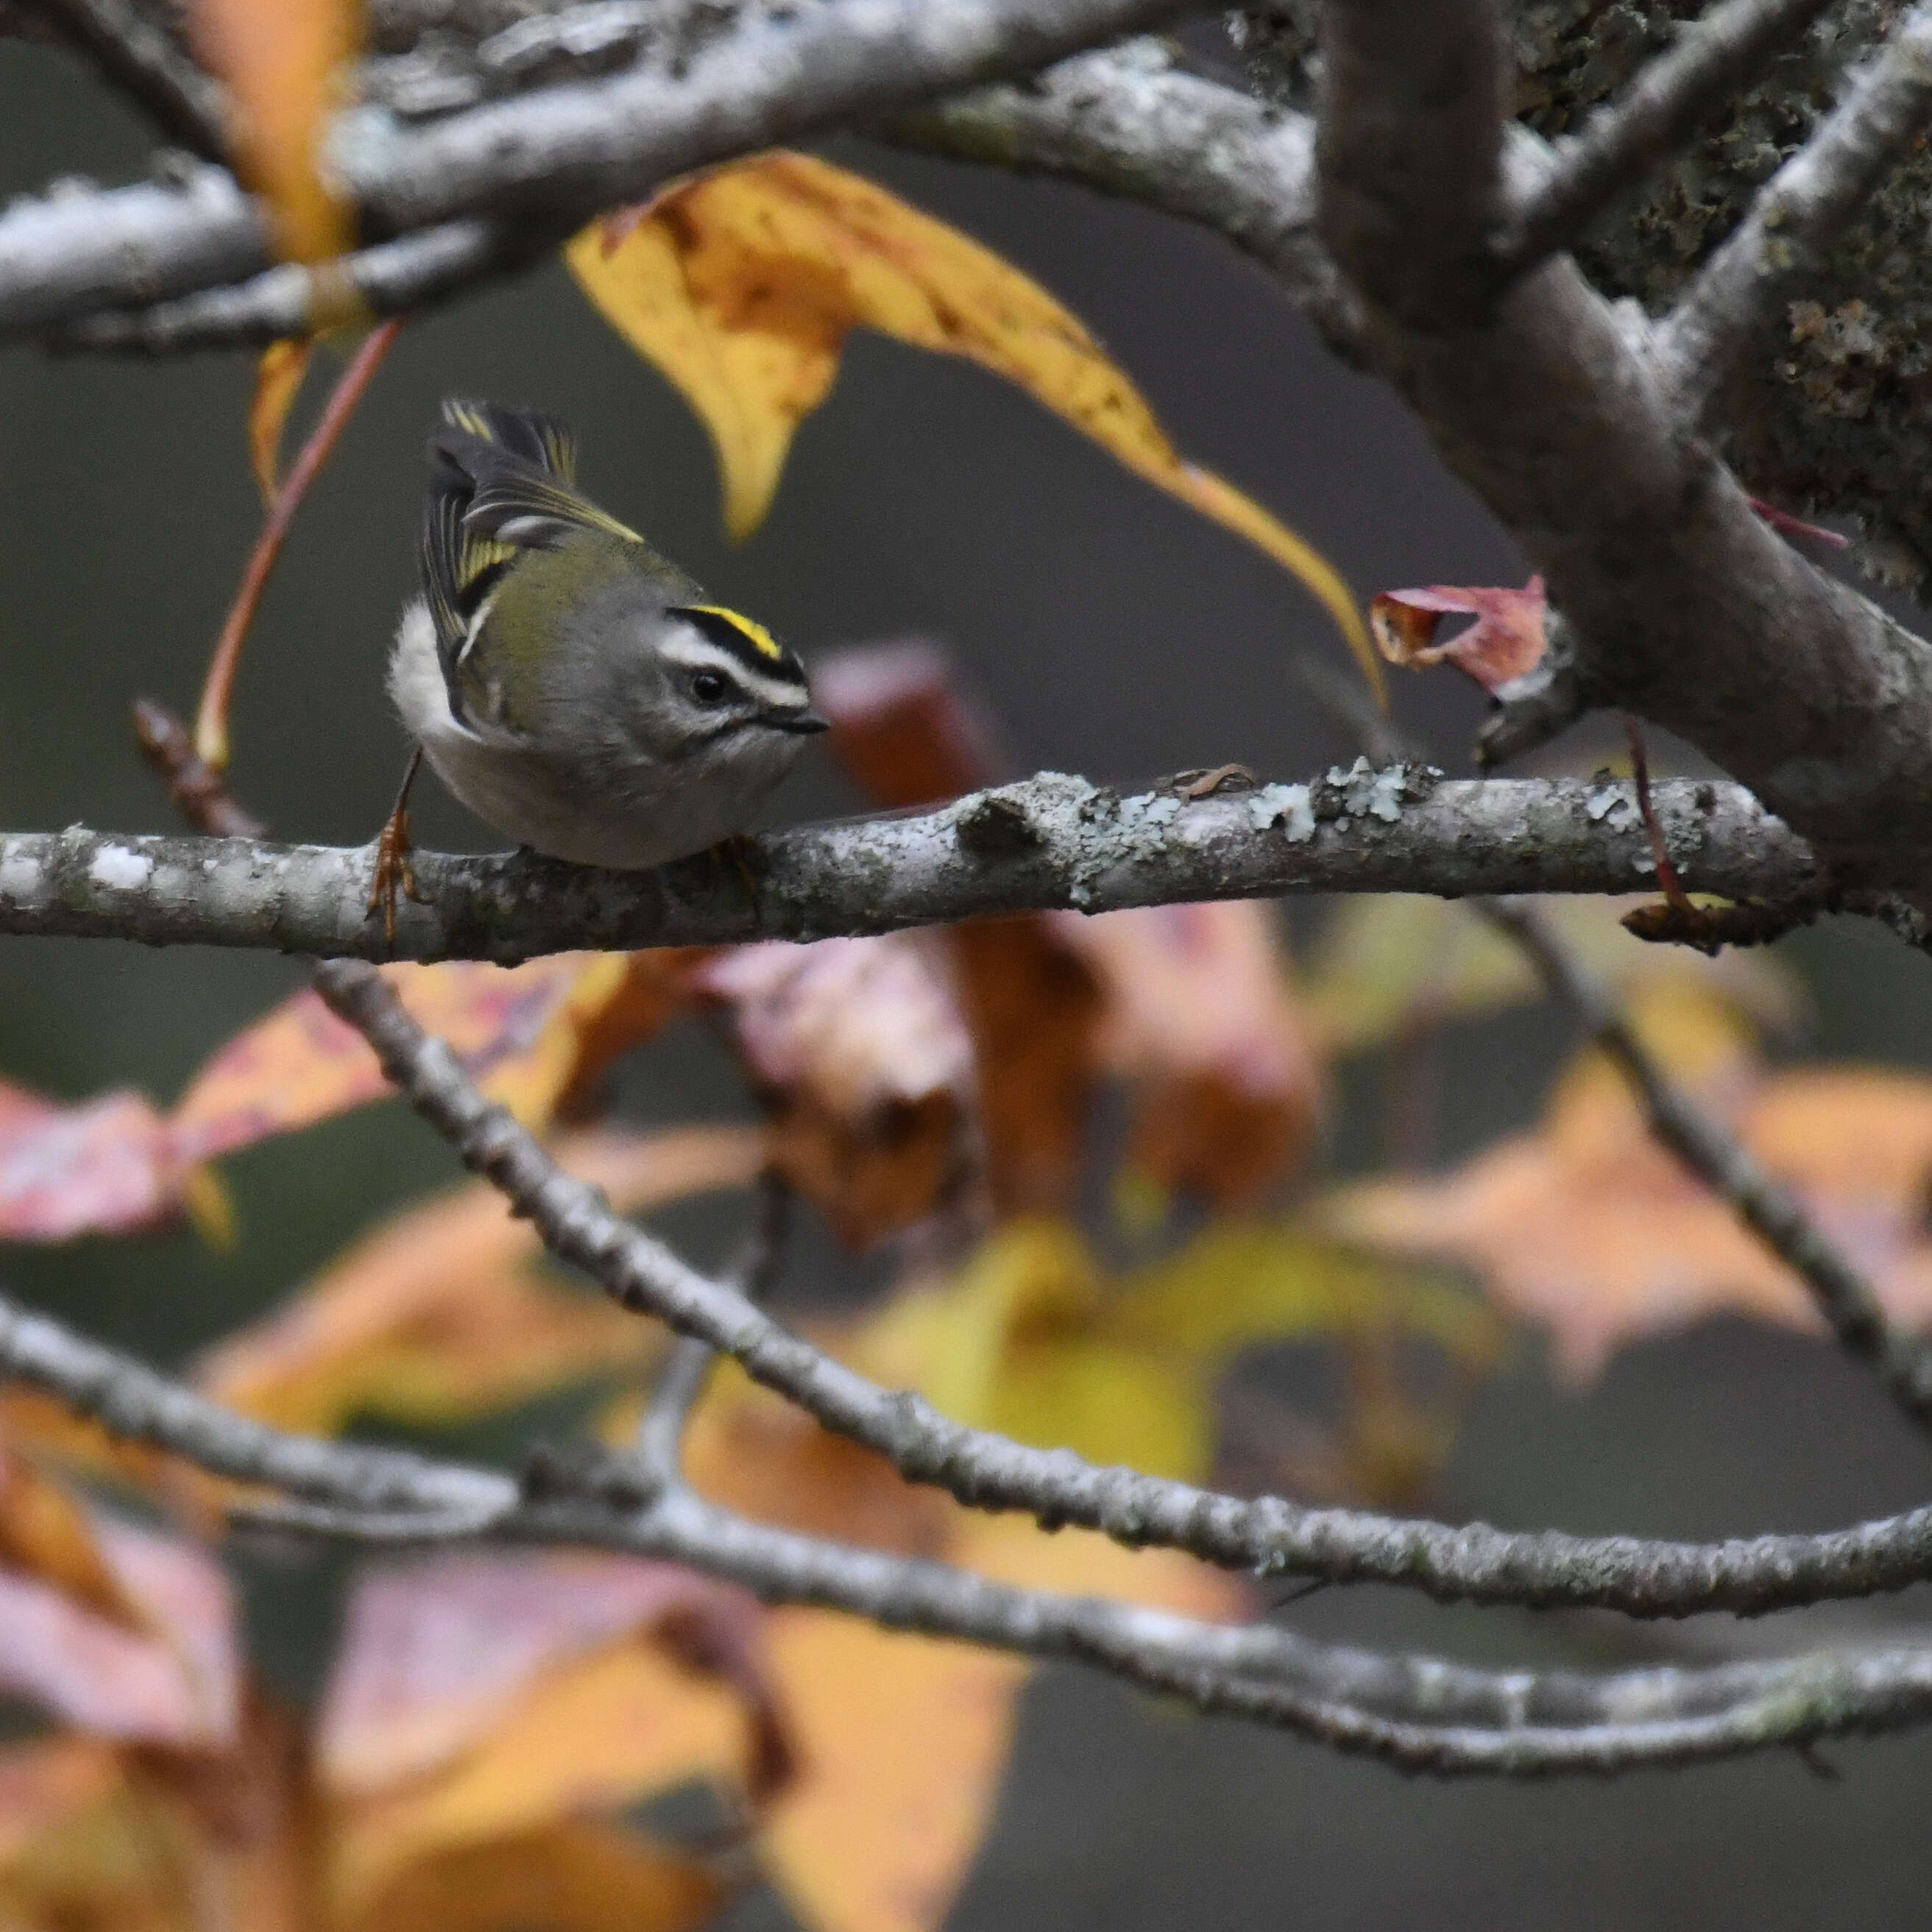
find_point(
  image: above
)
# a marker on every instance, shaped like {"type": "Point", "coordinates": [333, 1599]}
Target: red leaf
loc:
{"type": "Point", "coordinates": [1506, 640]}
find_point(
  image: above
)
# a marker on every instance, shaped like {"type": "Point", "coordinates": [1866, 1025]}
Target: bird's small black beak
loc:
{"type": "Point", "coordinates": [804, 722]}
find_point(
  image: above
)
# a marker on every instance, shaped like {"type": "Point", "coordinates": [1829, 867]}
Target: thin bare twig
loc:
{"type": "Point", "coordinates": [210, 724]}
{"type": "Point", "coordinates": [1903, 1363]}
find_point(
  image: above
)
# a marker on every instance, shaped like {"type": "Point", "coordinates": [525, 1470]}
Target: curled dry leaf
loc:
{"type": "Point", "coordinates": [282, 64]}
{"type": "Point", "coordinates": [743, 284]}
{"type": "Point", "coordinates": [1505, 642]}
{"type": "Point", "coordinates": [439, 1314]}
{"type": "Point", "coordinates": [865, 1069]}
{"type": "Point", "coordinates": [1588, 1228]}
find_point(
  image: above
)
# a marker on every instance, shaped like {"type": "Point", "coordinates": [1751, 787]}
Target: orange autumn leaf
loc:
{"type": "Point", "coordinates": [1586, 1226]}
{"type": "Point", "coordinates": [743, 284]}
{"type": "Point", "coordinates": [439, 1314]}
{"type": "Point", "coordinates": [1200, 1019]}
{"type": "Point", "coordinates": [1190, 1004]}
{"type": "Point", "coordinates": [904, 1740]}
{"type": "Point", "coordinates": [532, 1036]}
{"type": "Point", "coordinates": [521, 1693]}
{"type": "Point", "coordinates": [278, 378]}
{"type": "Point", "coordinates": [282, 61]}
{"type": "Point", "coordinates": [575, 1877]}
{"type": "Point", "coordinates": [1506, 642]}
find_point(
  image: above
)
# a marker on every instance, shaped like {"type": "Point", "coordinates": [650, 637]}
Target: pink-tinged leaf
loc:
{"type": "Point", "coordinates": [175, 1682]}
{"type": "Point", "coordinates": [1504, 642]}
{"type": "Point", "coordinates": [102, 1167]}
{"type": "Point", "coordinates": [859, 1050]}
{"type": "Point", "coordinates": [436, 1653]}
{"type": "Point", "coordinates": [1796, 530]}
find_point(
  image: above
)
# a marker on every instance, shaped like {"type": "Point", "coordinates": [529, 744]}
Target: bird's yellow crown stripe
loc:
{"type": "Point", "coordinates": [762, 640]}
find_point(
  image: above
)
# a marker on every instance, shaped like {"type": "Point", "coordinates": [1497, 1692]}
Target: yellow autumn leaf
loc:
{"type": "Point", "coordinates": [282, 61]}
{"type": "Point", "coordinates": [278, 375]}
{"type": "Point", "coordinates": [741, 285]}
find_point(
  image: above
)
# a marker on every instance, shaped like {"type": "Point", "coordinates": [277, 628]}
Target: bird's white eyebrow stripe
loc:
{"type": "Point", "coordinates": [685, 644]}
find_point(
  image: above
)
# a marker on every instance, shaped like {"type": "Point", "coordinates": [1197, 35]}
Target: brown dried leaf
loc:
{"type": "Point", "coordinates": [858, 1051]}
{"type": "Point", "coordinates": [743, 284]}
{"type": "Point", "coordinates": [1506, 641]}
{"type": "Point", "coordinates": [1228, 1087]}
{"type": "Point", "coordinates": [283, 62]}
{"type": "Point", "coordinates": [439, 1314]}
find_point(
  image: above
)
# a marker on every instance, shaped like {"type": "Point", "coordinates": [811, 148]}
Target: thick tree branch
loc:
{"type": "Point", "coordinates": [1684, 607]}
{"type": "Point", "coordinates": [1657, 114]}
{"type": "Point", "coordinates": [1409, 152]}
{"type": "Point", "coordinates": [1047, 841]}
{"type": "Point", "coordinates": [558, 156]}
{"type": "Point", "coordinates": [1797, 217]}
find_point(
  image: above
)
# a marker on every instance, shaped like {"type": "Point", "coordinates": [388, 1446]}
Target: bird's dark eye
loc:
{"type": "Point", "coordinates": [710, 687]}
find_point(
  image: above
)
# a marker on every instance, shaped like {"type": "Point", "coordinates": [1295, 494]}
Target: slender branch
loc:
{"type": "Point", "coordinates": [754, 1273]}
{"type": "Point", "coordinates": [1714, 58]}
{"type": "Point", "coordinates": [210, 724]}
{"type": "Point", "coordinates": [392, 278]}
{"type": "Point", "coordinates": [139, 59]}
{"type": "Point", "coordinates": [1423, 1713]}
{"type": "Point", "coordinates": [1267, 1534]}
{"type": "Point", "coordinates": [560, 155]}
{"type": "Point", "coordinates": [1903, 1362]}
{"type": "Point", "coordinates": [1409, 152]}
{"type": "Point", "coordinates": [1047, 841]}
{"type": "Point", "coordinates": [1796, 218]}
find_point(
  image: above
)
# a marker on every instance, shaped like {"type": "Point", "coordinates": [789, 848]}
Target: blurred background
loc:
{"type": "Point", "coordinates": [1112, 633]}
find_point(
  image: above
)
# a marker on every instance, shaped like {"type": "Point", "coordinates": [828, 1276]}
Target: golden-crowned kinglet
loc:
{"type": "Point", "coordinates": [569, 684]}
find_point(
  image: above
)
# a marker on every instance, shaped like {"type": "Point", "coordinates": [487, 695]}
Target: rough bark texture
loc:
{"type": "Point", "coordinates": [1832, 416]}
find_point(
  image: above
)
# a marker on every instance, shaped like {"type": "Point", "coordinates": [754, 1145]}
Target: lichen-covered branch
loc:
{"type": "Point", "coordinates": [1659, 111]}
{"type": "Point", "coordinates": [1047, 841]}
{"type": "Point", "coordinates": [1797, 218]}
{"type": "Point", "coordinates": [559, 155]}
